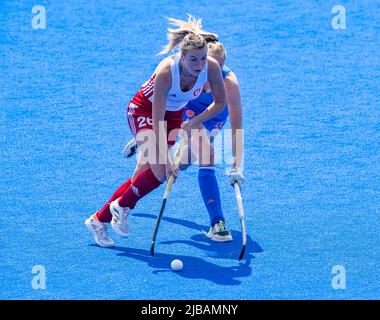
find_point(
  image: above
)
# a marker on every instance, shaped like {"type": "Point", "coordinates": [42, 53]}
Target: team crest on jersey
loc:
{"type": "Point", "coordinates": [197, 92]}
{"type": "Point", "coordinates": [190, 113]}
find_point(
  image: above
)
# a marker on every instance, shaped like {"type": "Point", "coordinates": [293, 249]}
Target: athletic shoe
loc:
{"type": "Point", "coordinates": [130, 149]}
{"type": "Point", "coordinates": [219, 232]}
{"type": "Point", "coordinates": [100, 232]}
{"type": "Point", "coordinates": [119, 218]}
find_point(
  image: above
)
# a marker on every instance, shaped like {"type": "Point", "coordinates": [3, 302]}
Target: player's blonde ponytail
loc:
{"type": "Point", "coordinates": [189, 35]}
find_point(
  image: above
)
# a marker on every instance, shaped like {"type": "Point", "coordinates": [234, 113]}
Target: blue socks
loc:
{"type": "Point", "coordinates": [210, 193]}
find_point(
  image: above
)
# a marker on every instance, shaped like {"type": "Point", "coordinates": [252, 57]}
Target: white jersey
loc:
{"type": "Point", "coordinates": [177, 98]}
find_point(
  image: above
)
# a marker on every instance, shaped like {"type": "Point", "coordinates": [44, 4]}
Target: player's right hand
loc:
{"type": "Point", "coordinates": [171, 170]}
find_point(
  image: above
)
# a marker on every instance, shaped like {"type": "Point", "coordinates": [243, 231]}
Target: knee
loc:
{"type": "Point", "coordinates": [207, 157]}
{"type": "Point", "coordinates": [212, 155]}
{"type": "Point", "coordinates": [140, 168]}
{"type": "Point", "coordinates": [160, 172]}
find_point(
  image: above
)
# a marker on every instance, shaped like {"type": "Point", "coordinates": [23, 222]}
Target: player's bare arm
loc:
{"type": "Point", "coordinates": [235, 112]}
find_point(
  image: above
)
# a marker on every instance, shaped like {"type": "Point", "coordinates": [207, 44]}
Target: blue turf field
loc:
{"type": "Point", "coordinates": [312, 138]}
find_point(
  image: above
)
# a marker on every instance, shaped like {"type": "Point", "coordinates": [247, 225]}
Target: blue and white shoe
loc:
{"type": "Point", "coordinates": [219, 232]}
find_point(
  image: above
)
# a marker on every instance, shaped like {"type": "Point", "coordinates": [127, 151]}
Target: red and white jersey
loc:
{"type": "Point", "coordinates": [177, 99]}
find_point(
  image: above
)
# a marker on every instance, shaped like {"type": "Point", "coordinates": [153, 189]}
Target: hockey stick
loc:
{"type": "Point", "coordinates": [176, 161]}
{"type": "Point", "coordinates": [242, 219]}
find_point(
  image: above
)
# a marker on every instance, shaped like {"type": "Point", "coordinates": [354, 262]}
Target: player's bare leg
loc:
{"type": "Point", "coordinates": [147, 176]}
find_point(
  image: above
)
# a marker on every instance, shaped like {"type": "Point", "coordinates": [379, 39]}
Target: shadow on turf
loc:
{"type": "Point", "coordinates": [225, 250]}
{"type": "Point", "coordinates": [194, 268]}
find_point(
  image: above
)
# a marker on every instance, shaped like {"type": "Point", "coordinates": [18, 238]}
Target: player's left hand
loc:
{"type": "Point", "coordinates": [188, 125]}
{"type": "Point", "coordinates": [236, 176]}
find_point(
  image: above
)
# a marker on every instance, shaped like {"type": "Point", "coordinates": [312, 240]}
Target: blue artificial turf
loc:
{"type": "Point", "coordinates": [312, 144]}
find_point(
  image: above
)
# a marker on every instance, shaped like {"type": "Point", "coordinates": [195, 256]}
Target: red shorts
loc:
{"type": "Point", "coordinates": [139, 114]}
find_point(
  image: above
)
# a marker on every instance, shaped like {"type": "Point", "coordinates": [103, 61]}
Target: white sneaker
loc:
{"type": "Point", "coordinates": [219, 232]}
{"type": "Point", "coordinates": [130, 149]}
{"type": "Point", "coordinates": [100, 232]}
{"type": "Point", "coordinates": [119, 218]}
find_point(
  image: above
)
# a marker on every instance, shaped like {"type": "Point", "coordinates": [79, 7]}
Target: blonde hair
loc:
{"type": "Point", "coordinates": [217, 48]}
{"type": "Point", "coordinates": [188, 35]}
